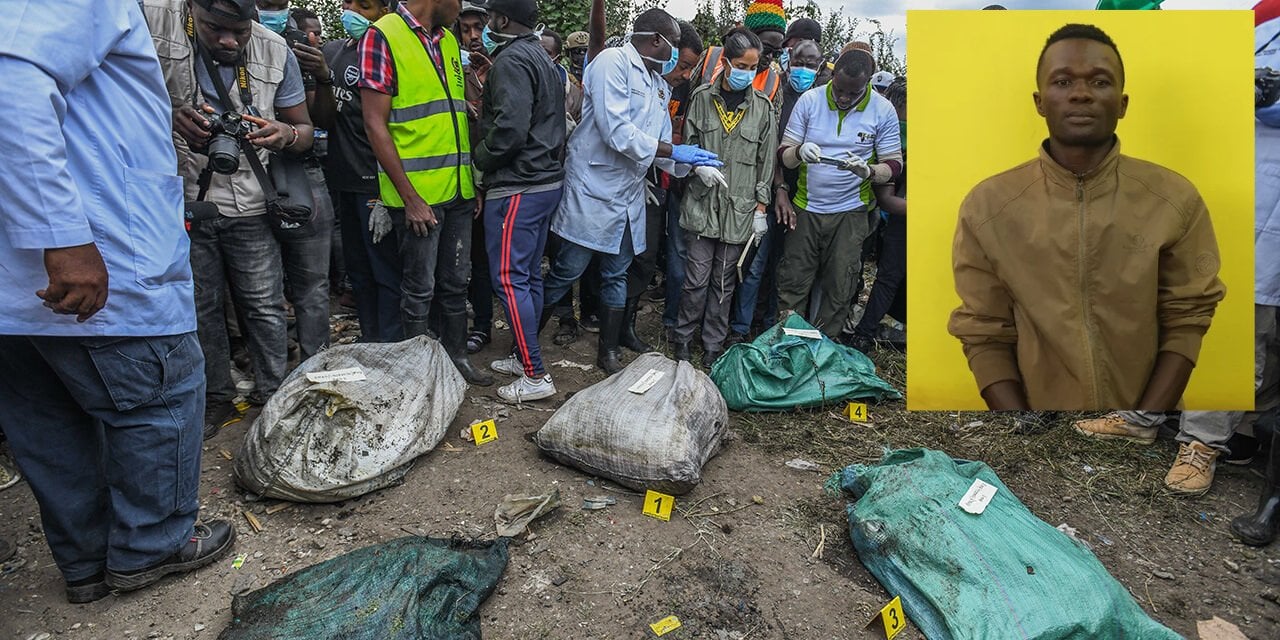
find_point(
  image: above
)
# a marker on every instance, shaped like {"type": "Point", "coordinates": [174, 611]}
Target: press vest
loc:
{"type": "Point", "coordinates": [428, 120]}
{"type": "Point", "coordinates": [265, 58]}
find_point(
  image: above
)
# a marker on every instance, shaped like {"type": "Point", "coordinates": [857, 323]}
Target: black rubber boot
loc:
{"type": "Point", "coordinates": [1259, 529]}
{"type": "Point", "coordinates": [414, 329]}
{"type": "Point", "coordinates": [629, 339]}
{"type": "Point", "coordinates": [683, 351]}
{"type": "Point", "coordinates": [548, 310]}
{"type": "Point", "coordinates": [608, 357]}
{"type": "Point", "coordinates": [455, 344]}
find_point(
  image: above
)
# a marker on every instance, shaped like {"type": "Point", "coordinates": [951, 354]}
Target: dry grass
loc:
{"type": "Point", "coordinates": [1048, 459]}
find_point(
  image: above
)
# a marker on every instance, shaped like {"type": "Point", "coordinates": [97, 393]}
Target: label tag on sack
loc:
{"type": "Point", "coordinates": [813, 334]}
{"type": "Point", "coordinates": [354, 374]}
{"type": "Point", "coordinates": [658, 505]}
{"type": "Point", "coordinates": [978, 496]}
{"type": "Point", "coordinates": [486, 431]}
{"type": "Point", "coordinates": [669, 623]}
{"type": "Point", "coordinates": [646, 382]}
{"type": "Point", "coordinates": [856, 411]}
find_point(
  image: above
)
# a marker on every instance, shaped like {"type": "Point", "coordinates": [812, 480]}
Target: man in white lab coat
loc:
{"type": "Point", "coordinates": [625, 129]}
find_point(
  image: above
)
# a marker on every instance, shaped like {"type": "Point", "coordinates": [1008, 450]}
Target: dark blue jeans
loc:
{"type": "Point", "coordinates": [372, 269]}
{"type": "Point", "coordinates": [757, 294]}
{"type": "Point", "coordinates": [480, 291]}
{"type": "Point", "coordinates": [677, 253]}
{"type": "Point", "coordinates": [107, 431]}
{"type": "Point", "coordinates": [516, 230]}
{"type": "Point", "coordinates": [306, 271]}
{"type": "Point", "coordinates": [242, 253]}
{"type": "Point", "coordinates": [572, 261]}
{"type": "Point", "coordinates": [436, 266]}
{"type": "Point", "coordinates": [891, 275]}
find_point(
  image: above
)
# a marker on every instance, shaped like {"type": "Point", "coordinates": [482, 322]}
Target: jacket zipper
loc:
{"type": "Point", "coordinates": [1084, 295]}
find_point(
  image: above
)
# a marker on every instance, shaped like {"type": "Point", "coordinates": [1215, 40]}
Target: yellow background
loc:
{"type": "Point", "coordinates": [1189, 79]}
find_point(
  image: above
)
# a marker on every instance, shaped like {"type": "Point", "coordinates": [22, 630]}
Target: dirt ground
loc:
{"type": "Point", "coordinates": [729, 568]}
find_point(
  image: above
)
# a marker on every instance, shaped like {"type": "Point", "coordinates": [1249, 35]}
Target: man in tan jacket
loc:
{"type": "Point", "coordinates": [1087, 278]}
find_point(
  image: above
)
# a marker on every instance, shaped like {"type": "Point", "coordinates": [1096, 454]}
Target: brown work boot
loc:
{"type": "Point", "coordinates": [1113, 427]}
{"type": "Point", "coordinates": [1192, 472]}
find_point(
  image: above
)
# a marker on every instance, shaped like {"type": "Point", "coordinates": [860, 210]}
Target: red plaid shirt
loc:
{"type": "Point", "coordinates": [377, 70]}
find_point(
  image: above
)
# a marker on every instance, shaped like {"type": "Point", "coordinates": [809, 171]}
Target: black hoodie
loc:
{"type": "Point", "coordinates": [523, 118]}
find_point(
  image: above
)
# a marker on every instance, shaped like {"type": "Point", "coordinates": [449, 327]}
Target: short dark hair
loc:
{"type": "Point", "coordinates": [302, 13]}
{"type": "Point", "coordinates": [1080, 32]}
{"type": "Point", "coordinates": [690, 38]}
{"type": "Point", "coordinates": [855, 62]}
{"type": "Point", "coordinates": [555, 37]}
{"type": "Point", "coordinates": [739, 41]}
{"type": "Point", "coordinates": [655, 20]}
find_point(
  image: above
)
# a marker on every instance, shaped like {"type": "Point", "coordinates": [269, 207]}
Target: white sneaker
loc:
{"type": "Point", "coordinates": [526, 389]}
{"type": "Point", "coordinates": [244, 383]}
{"type": "Point", "coordinates": [509, 365]}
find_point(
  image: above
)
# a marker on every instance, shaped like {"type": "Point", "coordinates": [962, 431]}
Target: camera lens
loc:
{"type": "Point", "coordinates": [224, 153]}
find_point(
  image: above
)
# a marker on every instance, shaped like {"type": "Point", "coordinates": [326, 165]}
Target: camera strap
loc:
{"type": "Point", "coordinates": [242, 74]}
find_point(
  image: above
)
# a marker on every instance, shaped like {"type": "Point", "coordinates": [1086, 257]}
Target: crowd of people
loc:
{"type": "Point", "coordinates": [436, 156]}
{"type": "Point", "coordinates": [451, 165]}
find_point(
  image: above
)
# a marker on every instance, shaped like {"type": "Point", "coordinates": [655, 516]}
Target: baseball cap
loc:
{"type": "Point", "coordinates": [242, 9]}
{"type": "Point", "coordinates": [577, 40]}
{"type": "Point", "coordinates": [473, 7]}
{"type": "Point", "coordinates": [881, 79]}
{"type": "Point", "coordinates": [523, 11]}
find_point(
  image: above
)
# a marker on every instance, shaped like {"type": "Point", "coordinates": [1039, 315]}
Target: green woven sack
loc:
{"type": "Point", "coordinates": [780, 372]}
{"type": "Point", "coordinates": [405, 589]}
{"type": "Point", "coordinates": [1003, 573]}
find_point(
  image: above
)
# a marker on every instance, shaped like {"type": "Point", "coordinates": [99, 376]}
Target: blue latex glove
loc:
{"type": "Point", "coordinates": [694, 155]}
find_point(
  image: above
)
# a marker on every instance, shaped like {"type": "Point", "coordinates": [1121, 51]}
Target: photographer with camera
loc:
{"type": "Point", "coordinates": [256, 102]}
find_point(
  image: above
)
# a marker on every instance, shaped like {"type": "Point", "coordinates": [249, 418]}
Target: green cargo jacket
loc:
{"type": "Point", "coordinates": [748, 153]}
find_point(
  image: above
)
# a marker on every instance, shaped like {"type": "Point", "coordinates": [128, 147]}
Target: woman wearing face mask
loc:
{"type": "Point", "coordinates": [723, 210]}
{"type": "Point", "coordinates": [756, 304]}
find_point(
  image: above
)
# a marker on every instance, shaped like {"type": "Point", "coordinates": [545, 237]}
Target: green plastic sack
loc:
{"type": "Point", "coordinates": [779, 372]}
{"type": "Point", "coordinates": [405, 589]}
{"type": "Point", "coordinates": [1001, 574]}
{"type": "Point", "coordinates": [1129, 5]}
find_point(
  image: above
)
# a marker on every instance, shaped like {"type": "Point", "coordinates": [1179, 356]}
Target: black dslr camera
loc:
{"type": "Point", "coordinates": [227, 129]}
{"type": "Point", "coordinates": [1266, 87]}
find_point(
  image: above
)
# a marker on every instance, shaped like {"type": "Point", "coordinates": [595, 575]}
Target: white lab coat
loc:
{"type": "Point", "coordinates": [624, 117]}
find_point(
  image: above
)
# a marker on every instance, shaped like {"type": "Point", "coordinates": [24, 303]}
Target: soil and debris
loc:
{"type": "Point", "coordinates": [757, 551]}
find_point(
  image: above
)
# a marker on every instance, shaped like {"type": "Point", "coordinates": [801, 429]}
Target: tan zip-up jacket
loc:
{"type": "Point", "coordinates": [1072, 284]}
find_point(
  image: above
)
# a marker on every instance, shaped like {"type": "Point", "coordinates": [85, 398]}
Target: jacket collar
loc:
{"type": "Point", "coordinates": [1066, 177]}
{"type": "Point", "coordinates": [861, 105]}
{"type": "Point", "coordinates": [637, 60]}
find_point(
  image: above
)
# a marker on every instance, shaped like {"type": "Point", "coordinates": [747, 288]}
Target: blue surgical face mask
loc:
{"type": "Point", "coordinates": [667, 65]}
{"type": "Point", "coordinates": [466, 57]}
{"type": "Point", "coordinates": [492, 39]}
{"type": "Point", "coordinates": [276, 21]}
{"type": "Point", "coordinates": [740, 79]}
{"type": "Point", "coordinates": [355, 24]}
{"type": "Point", "coordinates": [802, 79]}
{"type": "Point", "coordinates": [784, 60]}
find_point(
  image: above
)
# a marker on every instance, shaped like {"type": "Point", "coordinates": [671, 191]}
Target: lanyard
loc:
{"type": "Point", "coordinates": [242, 72]}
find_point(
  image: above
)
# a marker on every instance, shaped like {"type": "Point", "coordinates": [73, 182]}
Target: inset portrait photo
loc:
{"type": "Point", "coordinates": [1081, 229]}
